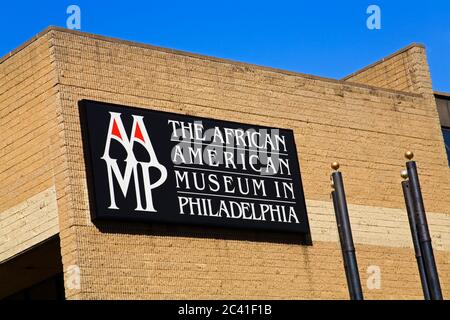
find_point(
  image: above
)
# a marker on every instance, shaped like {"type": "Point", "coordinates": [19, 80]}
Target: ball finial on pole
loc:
{"type": "Point", "coordinates": [335, 165]}
{"type": "Point", "coordinates": [404, 174]}
{"type": "Point", "coordinates": [409, 155]}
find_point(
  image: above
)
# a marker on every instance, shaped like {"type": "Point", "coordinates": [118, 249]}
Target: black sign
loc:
{"type": "Point", "coordinates": [163, 167]}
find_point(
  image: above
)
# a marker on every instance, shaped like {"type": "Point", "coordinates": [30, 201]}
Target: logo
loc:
{"type": "Point", "coordinates": [133, 168]}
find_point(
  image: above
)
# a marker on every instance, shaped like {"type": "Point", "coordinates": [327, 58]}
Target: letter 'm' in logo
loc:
{"type": "Point", "coordinates": [139, 135]}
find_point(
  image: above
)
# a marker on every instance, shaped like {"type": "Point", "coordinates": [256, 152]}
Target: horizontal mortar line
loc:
{"type": "Point", "coordinates": [38, 92]}
{"type": "Point", "coordinates": [227, 146]}
{"type": "Point", "coordinates": [342, 158]}
{"type": "Point", "coordinates": [128, 66]}
{"type": "Point", "coordinates": [27, 224]}
{"type": "Point", "coordinates": [286, 273]}
{"type": "Point", "coordinates": [75, 52]}
{"type": "Point", "coordinates": [383, 113]}
{"type": "Point", "coordinates": [40, 236]}
{"type": "Point", "coordinates": [29, 101]}
{"type": "Point", "coordinates": [383, 222]}
{"type": "Point", "coordinates": [200, 78]}
{"type": "Point", "coordinates": [25, 66]}
{"type": "Point", "coordinates": [234, 197]}
{"type": "Point", "coordinates": [23, 220]}
{"type": "Point", "coordinates": [243, 64]}
{"type": "Point", "coordinates": [307, 97]}
{"type": "Point", "coordinates": [42, 73]}
{"type": "Point", "coordinates": [41, 49]}
{"type": "Point", "coordinates": [253, 113]}
{"type": "Point", "coordinates": [150, 257]}
{"type": "Point", "coordinates": [243, 174]}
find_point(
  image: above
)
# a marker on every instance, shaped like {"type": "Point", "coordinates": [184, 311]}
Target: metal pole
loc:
{"type": "Point", "coordinates": [341, 241]}
{"type": "Point", "coordinates": [348, 249]}
{"type": "Point", "coordinates": [422, 228]}
{"type": "Point", "coordinates": [409, 202]}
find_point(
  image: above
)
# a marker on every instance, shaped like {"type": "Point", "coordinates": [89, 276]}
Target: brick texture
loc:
{"type": "Point", "coordinates": [364, 123]}
{"type": "Point", "coordinates": [28, 223]}
{"type": "Point", "coordinates": [28, 211]}
{"type": "Point", "coordinates": [405, 70]}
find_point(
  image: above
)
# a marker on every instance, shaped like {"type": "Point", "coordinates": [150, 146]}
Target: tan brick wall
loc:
{"type": "Point", "coordinates": [365, 128]}
{"type": "Point", "coordinates": [397, 71]}
{"type": "Point", "coordinates": [375, 225]}
{"type": "Point", "coordinates": [28, 223]}
{"type": "Point", "coordinates": [28, 96]}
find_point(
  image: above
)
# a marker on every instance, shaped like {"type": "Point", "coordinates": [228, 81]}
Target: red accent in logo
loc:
{"type": "Point", "coordinates": [115, 130]}
{"type": "Point", "coordinates": [138, 133]}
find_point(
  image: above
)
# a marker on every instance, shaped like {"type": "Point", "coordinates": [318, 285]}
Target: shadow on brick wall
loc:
{"type": "Point", "coordinates": [205, 232]}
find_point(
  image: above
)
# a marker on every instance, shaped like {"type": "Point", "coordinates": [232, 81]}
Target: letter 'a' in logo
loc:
{"type": "Point", "coordinates": [139, 135]}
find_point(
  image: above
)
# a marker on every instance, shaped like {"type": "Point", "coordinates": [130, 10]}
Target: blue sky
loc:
{"type": "Point", "coordinates": [325, 38]}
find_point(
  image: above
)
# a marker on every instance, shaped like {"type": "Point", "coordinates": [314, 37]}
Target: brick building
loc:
{"type": "Point", "coordinates": [365, 121]}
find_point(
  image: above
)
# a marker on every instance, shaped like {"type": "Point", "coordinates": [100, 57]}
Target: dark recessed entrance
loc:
{"type": "Point", "coordinates": [36, 274]}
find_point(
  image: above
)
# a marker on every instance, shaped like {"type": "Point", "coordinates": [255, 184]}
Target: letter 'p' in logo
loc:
{"type": "Point", "coordinates": [139, 135]}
